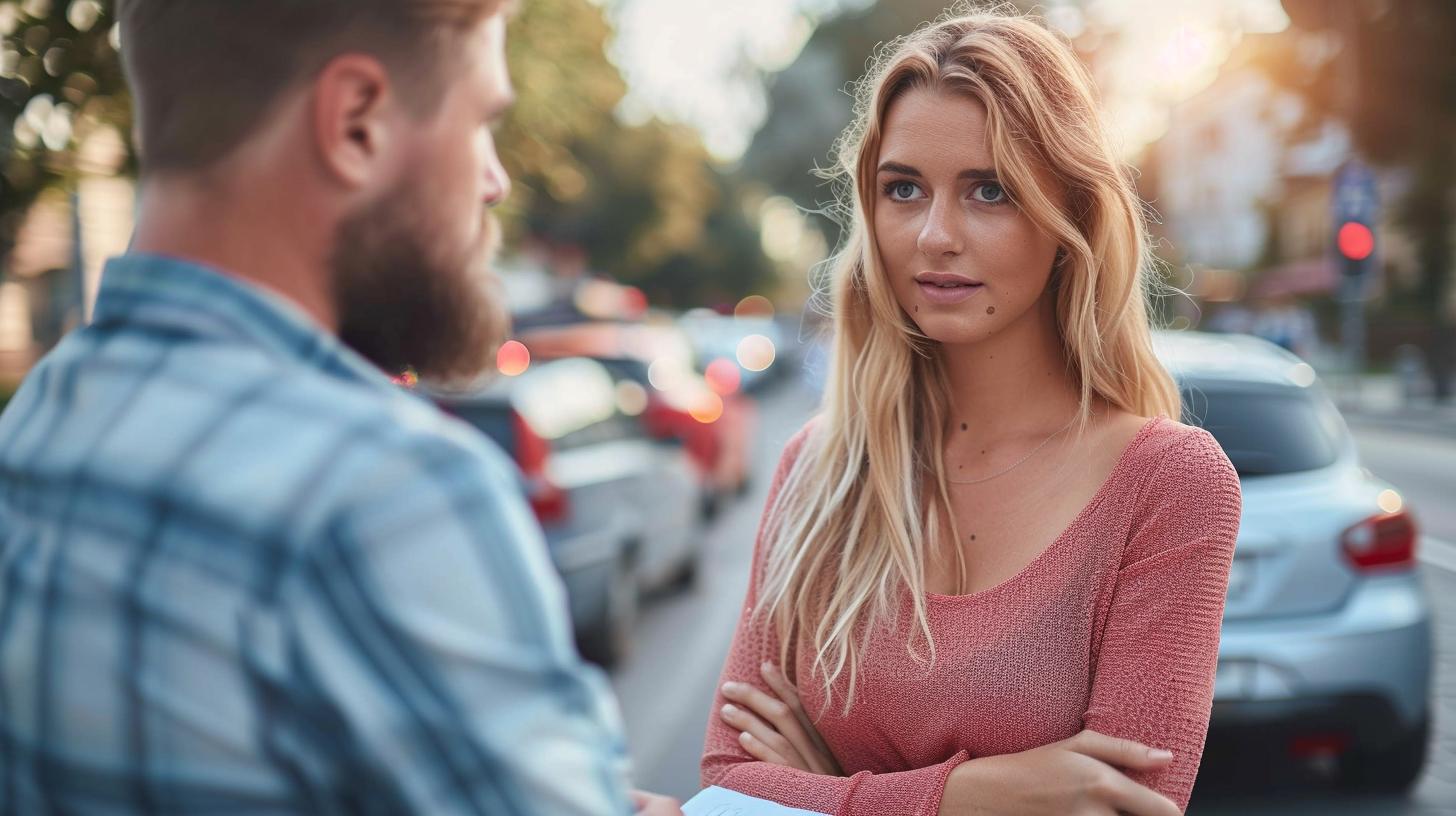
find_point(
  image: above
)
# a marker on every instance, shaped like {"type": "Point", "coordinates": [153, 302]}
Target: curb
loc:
{"type": "Point", "coordinates": [1437, 553]}
{"type": "Point", "coordinates": [1442, 426]}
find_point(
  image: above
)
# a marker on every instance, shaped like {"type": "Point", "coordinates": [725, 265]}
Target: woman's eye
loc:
{"type": "Point", "coordinates": [989, 193]}
{"type": "Point", "coordinates": [902, 190]}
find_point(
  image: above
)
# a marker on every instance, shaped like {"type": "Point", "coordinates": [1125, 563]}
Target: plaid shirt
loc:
{"type": "Point", "coordinates": [240, 571]}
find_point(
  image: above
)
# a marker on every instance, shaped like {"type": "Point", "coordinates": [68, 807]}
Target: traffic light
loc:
{"type": "Point", "coordinates": [1355, 241]}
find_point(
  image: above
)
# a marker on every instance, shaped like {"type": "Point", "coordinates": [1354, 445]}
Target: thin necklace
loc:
{"type": "Point", "coordinates": [1018, 462]}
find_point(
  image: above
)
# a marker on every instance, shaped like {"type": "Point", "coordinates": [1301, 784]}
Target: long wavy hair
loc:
{"type": "Point", "coordinates": [867, 495]}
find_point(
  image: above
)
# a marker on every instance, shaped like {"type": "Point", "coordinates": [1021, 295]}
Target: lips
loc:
{"type": "Point", "coordinates": [945, 279]}
{"type": "Point", "coordinates": [946, 295]}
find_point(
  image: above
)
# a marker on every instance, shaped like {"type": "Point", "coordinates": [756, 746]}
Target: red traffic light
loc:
{"type": "Point", "coordinates": [1355, 241]}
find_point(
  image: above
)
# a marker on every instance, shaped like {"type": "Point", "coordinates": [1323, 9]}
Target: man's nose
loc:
{"type": "Point", "coordinates": [497, 181]}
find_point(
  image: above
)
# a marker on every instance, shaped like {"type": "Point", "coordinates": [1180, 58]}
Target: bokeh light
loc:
{"type": "Point", "coordinates": [631, 398]}
{"type": "Point", "coordinates": [724, 376]}
{"type": "Point", "coordinates": [1302, 375]}
{"type": "Point", "coordinates": [513, 358]}
{"type": "Point", "coordinates": [707, 408]}
{"type": "Point", "coordinates": [754, 306]}
{"type": "Point", "coordinates": [756, 352]}
{"type": "Point", "coordinates": [668, 373]}
{"type": "Point", "coordinates": [1390, 501]}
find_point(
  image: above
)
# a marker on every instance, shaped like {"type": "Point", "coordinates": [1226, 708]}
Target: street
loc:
{"type": "Point", "coordinates": [666, 685]}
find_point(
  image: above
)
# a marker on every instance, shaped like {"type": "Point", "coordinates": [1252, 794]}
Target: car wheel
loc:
{"type": "Point", "coordinates": [1393, 769]}
{"type": "Point", "coordinates": [687, 573]}
{"type": "Point", "coordinates": [709, 505]}
{"type": "Point", "coordinates": [609, 637]}
{"type": "Point", "coordinates": [744, 486]}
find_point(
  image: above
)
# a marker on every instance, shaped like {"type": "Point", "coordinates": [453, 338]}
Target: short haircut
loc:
{"type": "Point", "coordinates": [204, 74]}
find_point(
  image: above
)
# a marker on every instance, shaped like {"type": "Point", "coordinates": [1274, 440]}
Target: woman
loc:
{"type": "Point", "coordinates": [994, 566]}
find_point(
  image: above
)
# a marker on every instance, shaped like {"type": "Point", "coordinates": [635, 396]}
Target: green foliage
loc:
{"type": "Point", "coordinates": [638, 198]}
{"type": "Point", "coordinates": [644, 200]}
{"type": "Point", "coordinates": [59, 77]}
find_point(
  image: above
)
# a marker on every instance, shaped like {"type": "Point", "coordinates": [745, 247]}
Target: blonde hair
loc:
{"type": "Point", "coordinates": [849, 529]}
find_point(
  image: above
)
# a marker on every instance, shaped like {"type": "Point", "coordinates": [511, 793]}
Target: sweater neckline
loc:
{"type": "Point", "coordinates": [1102, 491]}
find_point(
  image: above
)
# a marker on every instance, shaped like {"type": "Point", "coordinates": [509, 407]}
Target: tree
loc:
{"type": "Point", "coordinates": [634, 197]}
{"type": "Point", "coordinates": [1393, 81]}
{"type": "Point", "coordinates": [645, 200]}
{"type": "Point", "coordinates": [59, 78]}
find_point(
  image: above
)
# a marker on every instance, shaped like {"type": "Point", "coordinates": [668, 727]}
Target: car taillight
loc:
{"type": "Point", "coordinates": [547, 500]}
{"type": "Point", "coordinates": [1381, 542]}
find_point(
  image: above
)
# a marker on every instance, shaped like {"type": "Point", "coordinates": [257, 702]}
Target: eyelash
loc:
{"type": "Point", "coordinates": [889, 188]}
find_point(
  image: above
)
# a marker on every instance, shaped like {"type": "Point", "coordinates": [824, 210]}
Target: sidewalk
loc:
{"type": "Point", "coordinates": [1378, 400]}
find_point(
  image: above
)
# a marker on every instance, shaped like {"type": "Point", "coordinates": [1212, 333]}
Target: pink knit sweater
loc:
{"type": "Point", "coordinates": [1113, 627]}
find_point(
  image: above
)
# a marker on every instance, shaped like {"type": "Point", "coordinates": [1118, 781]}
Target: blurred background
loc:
{"type": "Point", "coordinates": [1299, 157]}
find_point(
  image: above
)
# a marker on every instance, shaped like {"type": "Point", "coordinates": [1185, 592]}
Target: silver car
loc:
{"type": "Point", "coordinates": [1327, 651]}
{"type": "Point", "coordinates": [619, 508]}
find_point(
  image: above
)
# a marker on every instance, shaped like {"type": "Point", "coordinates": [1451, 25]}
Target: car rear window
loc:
{"type": "Point", "coordinates": [1265, 433]}
{"type": "Point", "coordinates": [494, 420]}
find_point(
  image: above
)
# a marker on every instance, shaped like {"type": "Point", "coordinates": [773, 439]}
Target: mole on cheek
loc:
{"type": "Point", "coordinates": [990, 310]}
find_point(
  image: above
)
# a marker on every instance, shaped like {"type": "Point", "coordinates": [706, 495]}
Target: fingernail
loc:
{"type": "Point", "coordinates": [767, 666]}
{"type": "Point", "coordinates": [729, 710]}
{"type": "Point", "coordinates": [1159, 753]}
{"type": "Point", "coordinates": [730, 688]}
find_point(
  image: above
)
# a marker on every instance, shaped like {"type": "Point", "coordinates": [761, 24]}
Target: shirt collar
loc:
{"type": "Point", "coordinates": [192, 299]}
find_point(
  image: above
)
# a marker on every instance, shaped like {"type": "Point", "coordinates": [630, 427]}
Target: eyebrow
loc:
{"type": "Point", "coordinates": [975, 174]}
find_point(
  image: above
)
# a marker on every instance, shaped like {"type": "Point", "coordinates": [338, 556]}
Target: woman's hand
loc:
{"type": "Point", "coordinates": [651, 804]}
{"type": "Point", "coordinates": [1082, 775]}
{"type": "Point", "coordinates": [774, 728]}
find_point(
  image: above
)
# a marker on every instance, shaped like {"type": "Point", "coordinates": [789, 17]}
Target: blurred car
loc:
{"type": "Point", "coordinates": [715, 424]}
{"type": "Point", "coordinates": [1326, 651]}
{"type": "Point", "coordinates": [618, 507]}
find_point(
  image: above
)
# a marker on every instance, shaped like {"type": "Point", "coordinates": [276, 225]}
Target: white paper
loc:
{"type": "Point", "coordinates": [716, 801]}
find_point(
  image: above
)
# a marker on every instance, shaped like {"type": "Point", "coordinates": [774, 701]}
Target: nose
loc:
{"type": "Point", "coordinates": [940, 235]}
{"type": "Point", "coordinates": [497, 180]}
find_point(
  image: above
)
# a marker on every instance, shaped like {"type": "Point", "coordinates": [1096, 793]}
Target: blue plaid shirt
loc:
{"type": "Point", "coordinates": [243, 572]}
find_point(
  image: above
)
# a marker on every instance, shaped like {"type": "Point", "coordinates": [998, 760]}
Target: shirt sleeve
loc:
{"type": "Point", "coordinates": [1154, 668]}
{"type": "Point", "coordinates": [433, 629]}
{"type": "Point", "coordinates": [727, 765]}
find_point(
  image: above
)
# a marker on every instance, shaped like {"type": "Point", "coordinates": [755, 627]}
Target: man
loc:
{"type": "Point", "coordinates": [238, 569]}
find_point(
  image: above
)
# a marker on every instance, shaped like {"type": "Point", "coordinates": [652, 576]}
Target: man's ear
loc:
{"type": "Point", "coordinates": [352, 97]}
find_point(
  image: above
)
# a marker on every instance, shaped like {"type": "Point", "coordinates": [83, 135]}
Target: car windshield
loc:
{"type": "Point", "coordinates": [1264, 432]}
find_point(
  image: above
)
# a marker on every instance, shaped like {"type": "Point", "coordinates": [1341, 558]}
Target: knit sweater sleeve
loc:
{"type": "Point", "coordinates": [727, 764]}
{"type": "Point", "coordinates": [1158, 651]}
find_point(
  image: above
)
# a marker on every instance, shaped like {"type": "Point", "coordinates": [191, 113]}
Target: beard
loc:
{"type": "Point", "coordinates": [408, 299]}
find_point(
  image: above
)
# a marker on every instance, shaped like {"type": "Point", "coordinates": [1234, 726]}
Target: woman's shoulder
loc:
{"type": "Point", "coordinates": [792, 449]}
{"type": "Point", "coordinates": [1174, 450]}
{"type": "Point", "coordinates": [798, 440]}
{"type": "Point", "coordinates": [1187, 484]}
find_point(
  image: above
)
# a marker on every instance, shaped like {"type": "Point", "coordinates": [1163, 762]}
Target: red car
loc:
{"type": "Point", "coordinates": [660, 382]}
